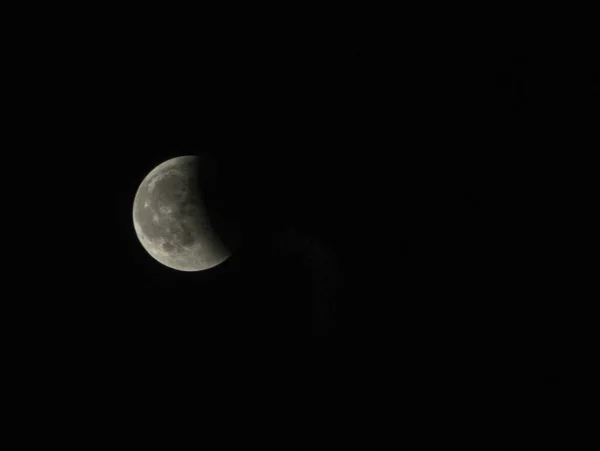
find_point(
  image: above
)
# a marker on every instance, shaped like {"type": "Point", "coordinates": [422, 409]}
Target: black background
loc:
{"type": "Point", "coordinates": [406, 165]}
{"type": "Point", "coordinates": [396, 195]}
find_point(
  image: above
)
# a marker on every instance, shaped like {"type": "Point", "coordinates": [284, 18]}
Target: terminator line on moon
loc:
{"type": "Point", "coordinates": [171, 220]}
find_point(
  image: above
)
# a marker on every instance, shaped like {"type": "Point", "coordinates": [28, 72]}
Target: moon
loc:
{"type": "Point", "coordinates": [171, 220]}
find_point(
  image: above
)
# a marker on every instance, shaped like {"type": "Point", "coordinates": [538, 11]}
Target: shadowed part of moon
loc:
{"type": "Point", "coordinates": [171, 219]}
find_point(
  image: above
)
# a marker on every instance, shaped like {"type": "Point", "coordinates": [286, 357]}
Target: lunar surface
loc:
{"type": "Point", "coordinates": [171, 220]}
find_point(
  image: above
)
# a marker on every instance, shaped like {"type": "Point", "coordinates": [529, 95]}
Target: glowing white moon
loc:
{"type": "Point", "coordinates": [170, 218]}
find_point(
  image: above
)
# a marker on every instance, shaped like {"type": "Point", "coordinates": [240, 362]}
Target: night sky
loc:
{"type": "Point", "coordinates": [355, 153]}
{"type": "Point", "coordinates": [376, 187]}
{"type": "Point", "coordinates": [389, 195]}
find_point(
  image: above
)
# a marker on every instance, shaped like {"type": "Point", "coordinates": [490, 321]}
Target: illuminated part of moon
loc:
{"type": "Point", "coordinates": [171, 220]}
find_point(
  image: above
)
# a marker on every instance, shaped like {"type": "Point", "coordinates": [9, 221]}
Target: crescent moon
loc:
{"type": "Point", "coordinates": [171, 220]}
